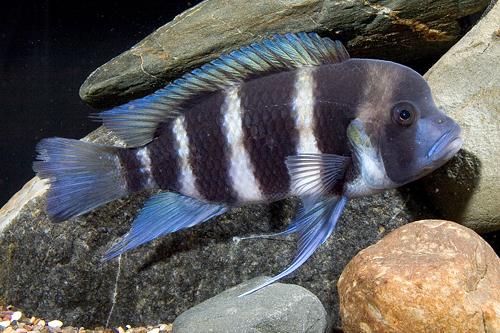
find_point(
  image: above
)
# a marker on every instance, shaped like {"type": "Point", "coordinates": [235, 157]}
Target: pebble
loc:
{"type": "Point", "coordinates": [5, 323]}
{"type": "Point", "coordinates": [55, 324]}
{"type": "Point", "coordinates": [164, 327]}
{"type": "Point", "coordinates": [16, 316]}
{"type": "Point", "coordinates": [154, 330]}
{"type": "Point", "coordinates": [8, 330]}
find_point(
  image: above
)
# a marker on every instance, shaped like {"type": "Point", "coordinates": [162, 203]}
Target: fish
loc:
{"type": "Point", "coordinates": [290, 115]}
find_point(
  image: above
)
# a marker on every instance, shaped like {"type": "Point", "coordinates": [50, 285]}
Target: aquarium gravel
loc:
{"type": "Point", "coordinates": [14, 320]}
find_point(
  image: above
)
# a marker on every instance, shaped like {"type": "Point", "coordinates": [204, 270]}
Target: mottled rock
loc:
{"type": "Point", "coordinates": [279, 308]}
{"type": "Point", "coordinates": [391, 30]}
{"type": "Point", "coordinates": [427, 276]}
{"type": "Point", "coordinates": [466, 84]}
{"type": "Point", "coordinates": [54, 269]}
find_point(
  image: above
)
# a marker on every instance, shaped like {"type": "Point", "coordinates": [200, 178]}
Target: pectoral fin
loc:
{"type": "Point", "coordinates": [316, 174]}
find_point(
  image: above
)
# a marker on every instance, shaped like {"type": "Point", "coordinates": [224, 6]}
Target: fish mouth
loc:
{"type": "Point", "coordinates": [446, 146]}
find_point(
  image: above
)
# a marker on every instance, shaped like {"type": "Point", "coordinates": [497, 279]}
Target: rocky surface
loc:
{"type": "Point", "coordinates": [390, 29]}
{"type": "Point", "coordinates": [427, 276]}
{"type": "Point", "coordinates": [279, 308]}
{"type": "Point", "coordinates": [466, 84]}
{"type": "Point", "coordinates": [54, 270]}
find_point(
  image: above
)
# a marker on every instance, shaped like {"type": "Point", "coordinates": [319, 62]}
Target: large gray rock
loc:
{"type": "Point", "coordinates": [466, 84]}
{"type": "Point", "coordinates": [389, 29]}
{"type": "Point", "coordinates": [54, 270]}
{"type": "Point", "coordinates": [279, 308]}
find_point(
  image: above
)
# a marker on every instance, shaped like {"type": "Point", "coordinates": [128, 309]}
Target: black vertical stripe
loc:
{"type": "Point", "coordinates": [209, 155]}
{"type": "Point", "coordinates": [330, 127]}
{"type": "Point", "coordinates": [165, 166]}
{"type": "Point", "coordinates": [269, 130]}
{"type": "Point", "coordinates": [131, 166]}
{"type": "Point", "coordinates": [334, 107]}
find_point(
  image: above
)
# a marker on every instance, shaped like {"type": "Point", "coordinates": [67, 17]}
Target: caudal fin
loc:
{"type": "Point", "coordinates": [82, 176]}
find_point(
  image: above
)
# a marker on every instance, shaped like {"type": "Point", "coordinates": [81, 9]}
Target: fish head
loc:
{"type": "Point", "coordinates": [399, 134]}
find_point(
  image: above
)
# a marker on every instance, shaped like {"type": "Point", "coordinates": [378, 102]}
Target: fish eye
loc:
{"type": "Point", "coordinates": [403, 113]}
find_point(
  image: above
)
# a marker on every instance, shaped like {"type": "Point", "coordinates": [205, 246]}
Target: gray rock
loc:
{"type": "Point", "coordinates": [466, 84]}
{"type": "Point", "coordinates": [54, 270]}
{"type": "Point", "coordinates": [280, 308]}
{"type": "Point", "coordinates": [390, 29]}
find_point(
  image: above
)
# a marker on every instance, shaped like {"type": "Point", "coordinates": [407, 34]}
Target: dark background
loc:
{"type": "Point", "coordinates": [47, 49]}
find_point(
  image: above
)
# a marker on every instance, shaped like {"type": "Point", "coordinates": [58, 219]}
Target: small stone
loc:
{"type": "Point", "coordinates": [429, 276]}
{"type": "Point", "coordinates": [41, 323]}
{"type": "Point", "coordinates": [5, 323]}
{"type": "Point", "coordinates": [68, 329]}
{"type": "Point", "coordinates": [140, 330]}
{"type": "Point", "coordinates": [21, 330]}
{"type": "Point", "coordinates": [8, 330]}
{"type": "Point", "coordinates": [55, 324]}
{"type": "Point", "coordinates": [16, 316]}
{"type": "Point", "coordinates": [165, 327]}
{"type": "Point", "coordinates": [120, 330]}
{"type": "Point", "coordinates": [128, 327]}
{"type": "Point", "coordinates": [277, 308]}
{"type": "Point", "coordinates": [154, 330]}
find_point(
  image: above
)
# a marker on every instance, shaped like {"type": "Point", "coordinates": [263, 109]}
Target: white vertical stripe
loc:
{"type": "Point", "coordinates": [143, 156]}
{"type": "Point", "coordinates": [303, 113]}
{"type": "Point", "coordinates": [186, 176]}
{"type": "Point", "coordinates": [241, 172]}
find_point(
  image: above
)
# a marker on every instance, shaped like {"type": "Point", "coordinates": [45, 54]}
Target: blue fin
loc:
{"type": "Point", "coordinates": [82, 176]}
{"type": "Point", "coordinates": [315, 174]}
{"type": "Point", "coordinates": [162, 214]}
{"type": "Point", "coordinates": [136, 122]}
{"type": "Point", "coordinates": [315, 226]}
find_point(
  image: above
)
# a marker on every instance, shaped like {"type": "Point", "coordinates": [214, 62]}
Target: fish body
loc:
{"type": "Point", "coordinates": [290, 116]}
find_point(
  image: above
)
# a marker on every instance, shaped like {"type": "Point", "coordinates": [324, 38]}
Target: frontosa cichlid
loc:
{"type": "Point", "coordinates": [292, 115]}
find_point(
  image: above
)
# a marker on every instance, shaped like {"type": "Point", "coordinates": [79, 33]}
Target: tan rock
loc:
{"type": "Point", "coordinates": [465, 83]}
{"type": "Point", "coordinates": [427, 276]}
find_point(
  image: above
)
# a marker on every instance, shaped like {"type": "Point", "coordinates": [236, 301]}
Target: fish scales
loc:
{"type": "Point", "coordinates": [208, 149]}
{"type": "Point", "coordinates": [279, 113]}
{"type": "Point", "coordinates": [269, 130]}
{"type": "Point", "coordinates": [131, 165]}
{"type": "Point", "coordinates": [165, 160]}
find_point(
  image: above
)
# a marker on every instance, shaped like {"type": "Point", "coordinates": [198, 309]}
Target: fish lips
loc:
{"type": "Point", "coordinates": [445, 147]}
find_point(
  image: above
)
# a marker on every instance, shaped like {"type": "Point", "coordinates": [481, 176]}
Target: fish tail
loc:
{"type": "Point", "coordinates": [82, 175]}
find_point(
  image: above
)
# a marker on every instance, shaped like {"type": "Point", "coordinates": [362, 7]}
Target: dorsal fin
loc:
{"type": "Point", "coordinates": [137, 121]}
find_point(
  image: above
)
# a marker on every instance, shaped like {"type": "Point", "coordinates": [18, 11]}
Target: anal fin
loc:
{"type": "Point", "coordinates": [162, 214]}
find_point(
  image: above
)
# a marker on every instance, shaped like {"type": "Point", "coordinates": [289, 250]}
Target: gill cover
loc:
{"type": "Point", "coordinates": [367, 158]}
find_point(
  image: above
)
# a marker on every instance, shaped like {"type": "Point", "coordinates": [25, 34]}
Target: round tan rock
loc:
{"type": "Point", "coordinates": [427, 276]}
